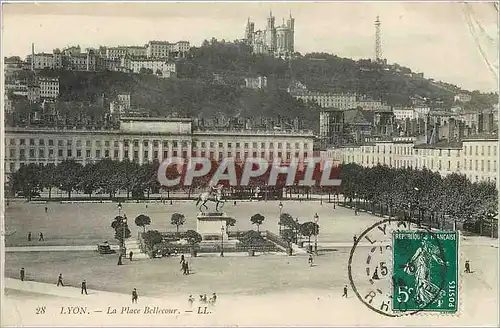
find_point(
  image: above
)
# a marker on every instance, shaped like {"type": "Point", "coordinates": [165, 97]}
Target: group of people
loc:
{"type": "Point", "coordinates": [40, 236]}
{"type": "Point", "coordinates": [203, 299]}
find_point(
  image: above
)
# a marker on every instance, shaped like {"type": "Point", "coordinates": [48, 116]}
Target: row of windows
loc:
{"type": "Point", "coordinates": [491, 166]}
{"type": "Point", "coordinates": [135, 154]}
{"type": "Point", "coordinates": [107, 143]}
{"type": "Point", "coordinates": [489, 148]}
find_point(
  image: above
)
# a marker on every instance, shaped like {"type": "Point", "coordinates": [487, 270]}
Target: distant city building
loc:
{"type": "Point", "coordinates": [33, 93]}
{"type": "Point", "coordinates": [462, 97]}
{"type": "Point", "coordinates": [402, 114]}
{"type": "Point", "coordinates": [120, 105]}
{"type": "Point", "coordinates": [259, 82]}
{"type": "Point", "coordinates": [160, 67]}
{"type": "Point", "coordinates": [475, 157]}
{"type": "Point", "coordinates": [166, 50]}
{"type": "Point", "coordinates": [146, 139]}
{"type": "Point", "coordinates": [41, 60]}
{"type": "Point", "coordinates": [366, 103]}
{"type": "Point", "coordinates": [327, 100]}
{"type": "Point", "coordinates": [122, 51]}
{"type": "Point", "coordinates": [49, 87]}
{"type": "Point", "coordinates": [274, 40]}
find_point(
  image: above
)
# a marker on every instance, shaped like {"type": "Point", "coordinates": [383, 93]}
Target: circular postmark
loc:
{"type": "Point", "coordinates": [409, 287]}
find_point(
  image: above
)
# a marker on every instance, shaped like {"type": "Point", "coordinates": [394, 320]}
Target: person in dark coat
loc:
{"type": "Point", "coordinates": [22, 274]}
{"type": "Point", "coordinates": [187, 267]}
{"type": "Point", "coordinates": [134, 296]}
{"type": "Point", "coordinates": [130, 255]}
{"type": "Point", "coordinates": [29, 236]}
{"type": "Point", "coordinates": [345, 292]}
{"type": "Point", "coordinates": [41, 237]}
{"type": "Point", "coordinates": [354, 239]}
{"type": "Point", "coordinates": [60, 280]}
{"type": "Point", "coordinates": [84, 287]}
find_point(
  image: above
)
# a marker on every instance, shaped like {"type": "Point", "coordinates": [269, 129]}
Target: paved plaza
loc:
{"type": "Point", "coordinates": [300, 294]}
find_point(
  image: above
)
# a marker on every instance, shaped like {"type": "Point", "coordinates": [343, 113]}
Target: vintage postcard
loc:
{"type": "Point", "coordinates": [249, 164]}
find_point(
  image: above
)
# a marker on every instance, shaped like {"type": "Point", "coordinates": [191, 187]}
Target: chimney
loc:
{"type": "Point", "coordinates": [480, 123]}
{"type": "Point", "coordinates": [490, 124]}
{"type": "Point", "coordinates": [451, 129]}
{"type": "Point", "coordinates": [33, 57]}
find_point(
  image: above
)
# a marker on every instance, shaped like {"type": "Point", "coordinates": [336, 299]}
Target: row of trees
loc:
{"type": "Point", "coordinates": [420, 193]}
{"type": "Point", "coordinates": [107, 177]}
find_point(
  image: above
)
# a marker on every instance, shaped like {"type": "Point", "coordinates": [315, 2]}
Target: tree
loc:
{"type": "Point", "coordinates": [89, 179]}
{"type": "Point", "coordinates": [309, 229]}
{"type": "Point", "coordinates": [257, 219]}
{"type": "Point", "coordinates": [288, 235]}
{"type": "Point", "coordinates": [48, 176]}
{"type": "Point", "coordinates": [122, 231]}
{"type": "Point", "coordinates": [142, 221]}
{"type": "Point", "coordinates": [193, 238]}
{"type": "Point", "coordinates": [28, 179]}
{"type": "Point", "coordinates": [151, 239]}
{"type": "Point", "coordinates": [177, 220]}
{"type": "Point", "coordinates": [230, 222]}
{"type": "Point", "coordinates": [68, 174]}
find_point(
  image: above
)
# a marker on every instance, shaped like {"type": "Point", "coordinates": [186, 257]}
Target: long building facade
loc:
{"type": "Point", "coordinates": [476, 157]}
{"type": "Point", "coordinates": [146, 139]}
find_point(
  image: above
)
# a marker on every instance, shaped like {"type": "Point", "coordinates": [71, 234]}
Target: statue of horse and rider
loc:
{"type": "Point", "coordinates": [214, 195]}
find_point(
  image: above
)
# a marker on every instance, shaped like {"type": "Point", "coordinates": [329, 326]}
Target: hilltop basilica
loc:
{"type": "Point", "coordinates": [274, 40]}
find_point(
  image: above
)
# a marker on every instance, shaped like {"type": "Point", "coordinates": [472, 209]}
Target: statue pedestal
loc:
{"type": "Point", "coordinates": [210, 223]}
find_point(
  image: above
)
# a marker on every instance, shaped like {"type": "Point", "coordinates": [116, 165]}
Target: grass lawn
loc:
{"type": "Point", "coordinates": [88, 224]}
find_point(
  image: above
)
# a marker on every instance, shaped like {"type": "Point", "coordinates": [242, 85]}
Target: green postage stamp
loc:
{"type": "Point", "coordinates": [425, 271]}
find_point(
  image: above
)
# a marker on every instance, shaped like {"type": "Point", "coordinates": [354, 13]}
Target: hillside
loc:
{"type": "Point", "coordinates": [196, 93]}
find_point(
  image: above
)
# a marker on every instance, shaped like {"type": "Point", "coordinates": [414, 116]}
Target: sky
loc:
{"type": "Point", "coordinates": [433, 38]}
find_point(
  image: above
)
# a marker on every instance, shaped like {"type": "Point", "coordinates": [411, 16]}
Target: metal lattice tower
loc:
{"type": "Point", "coordinates": [378, 44]}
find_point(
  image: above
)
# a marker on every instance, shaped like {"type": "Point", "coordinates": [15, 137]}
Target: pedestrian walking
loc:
{"type": "Point", "coordinates": [213, 299]}
{"type": "Point", "coordinates": [29, 236]}
{"type": "Point", "coordinates": [182, 259]}
{"type": "Point", "coordinates": [187, 268]}
{"type": "Point", "coordinates": [183, 268]}
{"type": "Point", "coordinates": [41, 237]}
{"type": "Point", "coordinates": [134, 296]}
{"type": "Point", "coordinates": [354, 239]}
{"type": "Point", "coordinates": [467, 267]}
{"type": "Point", "coordinates": [345, 292]}
{"type": "Point", "coordinates": [46, 209]}
{"type": "Point", "coordinates": [60, 280]}
{"type": "Point", "coordinates": [310, 260]}
{"type": "Point", "coordinates": [120, 260]}
{"type": "Point", "coordinates": [130, 255]}
{"type": "Point", "coordinates": [191, 300]}
{"type": "Point", "coordinates": [84, 287]}
{"type": "Point", "coordinates": [21, 273]}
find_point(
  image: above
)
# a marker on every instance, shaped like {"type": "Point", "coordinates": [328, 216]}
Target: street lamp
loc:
{"type": "Point", "coordinates": [297, 230]}
{"type": "Point", "coordinates": [222, 241]}
{"type": "Point", "coordinates": [279, 221]}
{"type": "Point", "coordinates": [316, 219]}
{"type": "Point", "coordinates": [124, 225]}
{"type": "Point", "coordinates": [355, 204]}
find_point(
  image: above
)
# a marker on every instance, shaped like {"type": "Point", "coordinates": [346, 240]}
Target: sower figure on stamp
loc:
{"type": "Point", "coordinates": [22, 274]}
{"type": "Point", "coordinates": [134, 296]}
{"type": "Point", "coordinates": [84, 287]}
{"type": "Point", "coordinates": [420, 266]}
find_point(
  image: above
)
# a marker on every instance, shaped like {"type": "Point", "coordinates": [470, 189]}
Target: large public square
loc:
{"type": "Point", "coordinates": [247, 287]}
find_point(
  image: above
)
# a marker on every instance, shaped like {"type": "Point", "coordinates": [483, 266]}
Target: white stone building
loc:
{"type": "Point", "coordinates": [147, 139]}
